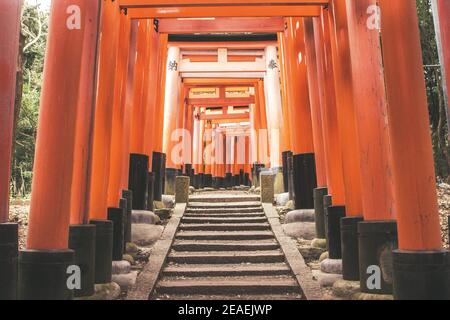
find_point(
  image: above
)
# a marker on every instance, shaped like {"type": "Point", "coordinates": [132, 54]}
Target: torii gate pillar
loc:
{"type": "Point", "coordinates": [43, 266]}
{"type": "Point", "coordinates": [421, 267]}
{"type": "Point", "coordinates": [9, 47]}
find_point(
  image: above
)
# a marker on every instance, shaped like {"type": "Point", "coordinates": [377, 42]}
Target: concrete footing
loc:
{"type": "Point", "coordinates": [82, 242]}
{"type": "Point", "coordinates": [377, 240]}
{"type": "Point", "coordinates": [9, 242]}
{"type": "Point", "coordinates": [43, 274]}
{"type": "Point", "coordinates": [421, 275]}
{"type": "Point", "coordinates": [319, 210]}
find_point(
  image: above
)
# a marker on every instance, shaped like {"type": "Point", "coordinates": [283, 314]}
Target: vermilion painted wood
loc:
{"type": "Point", "coordinates": [262, 25]}
{"type": "Point", "coordinates": [314, 98]}
{"type": "Point", "coordinates": [79, 210]}
{"type": "Point", "coordinates": [53, 167]}
{"type": "Point", "coordinates": [298, 86]}
{"type": "Point", "coordinates": [247, 166]}
{"type": "Point", "coordinates": [152, 95]}
{"type": "Point", "coordinates": [413, 166]}
{"type": "Point", "coordinates": [201, 164]}
{"type": "Point", "coordinates": [208, 147]}
{"type": "Point", "coordinates": [252, 45]}
{"type": "Point", "coordinates": [285, 143]}
{"type": "Point", "coordinates": [162, 62]}
{"type": "Point", "coordinates": [200, 82]}
{"type": "Point", "coordinates": [128, 100]}
{"type": "Point", "coordinates": [371, 113]}
{"type": "Point", "coordinates": [231, 11]}
{"type": "Point", "coordinates": [9, 48]}
{"type": "Point", "coordinates": [108, 47]}
{"type": "Point", "coordinates": [188, 125]}
{"type": "Point", "coordinates": [178, 3]}
{"type": "Point", "coordinates": [333, 151]}
{"type": "Point", "coordinates": [239, 117]}
{"type": "Point", "coordinates": [345, 107]}
{"type": "Point", "coordinates": [140, 90]}
{"type": "Point", "coordinates": [181, 121]}
{"type": "Point", "coordinates": [219, 102]}
{"type": "Point", "coordinates": [263, 141]}
{"type": "Point", "coordinates": [118, 110]}
{"type": "Point", "coordinates": [284, 91]}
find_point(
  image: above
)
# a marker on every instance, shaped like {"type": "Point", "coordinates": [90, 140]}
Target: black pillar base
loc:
{"type": "Point", "coordinates": [158, 168]}
{"type": "Point", "coordinates": [220, 182]}
{"type": "Point", "coordinates": [43, 274]}
{"type": "Point", "coordinates": [236, 180]}
{"type": "Point", "coordinates": [349, 245]}
{"type": "Point", "coordinates": [319, 211]}
{"type": "Point", "coordinates": [187, 170]}
{"type": "Point", "coordinates": [241, 177]}
{"type": "Point", "coordinates": [208, 180]}
{"type": "Point", "coordinates": [82, 242]}
{"type": "Point", "coordinates": [150, 191]}
{"type": "Point", "coordinates": [247, 181]}
{"type": "Point", "coordinates": [421, 275]}
{"type": "Point", "coordinates": [103, 250]}
{"type": "Point", "coordinates": [201, 180]}
{"type": "Point", "coordinates": [228, 180]}
{"type": "Point", "coordinates": [116, 216]}
{"type": "Point", "coordinates": [127, 195]}
{"type": "Point", "coordinates": [284, 157]}
{"type": "Point", "coordinates": [327, 202]}
{"type": "Point", "coordinates": [377, 240]}
{"type": "Point", "coordinates": [305, 180]}
{"type": "Point", "coordinates": [290, 175]}
{"type": "Point", "coordinates": [137, 181]}
{"type": "Point", "coordinates": [171, 178]}
{"type": "Point", "coordinates": [195, 182]}
{"type": "Point", "coordinates": [334, 216]}
{"type": "Point", "coordinates": [163, 173]}
{"type": "Point", "coordinates": [9, 251]}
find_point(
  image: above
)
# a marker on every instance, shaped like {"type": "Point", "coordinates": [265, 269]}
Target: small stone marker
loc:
{"type": "Point", "coordinates": [267, 188]}
{"type": "Point", "coordinates": [182, 189]}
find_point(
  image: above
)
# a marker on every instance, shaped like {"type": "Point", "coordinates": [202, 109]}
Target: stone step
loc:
{"type": "Point", "coordinates": [221, 245]}
{"type": "Point", "coordinates": [205, 205]}
{"type": "Point", "coordinates": [245, 297]}
{"type": "Point", "coordinates": [226, 270]}
{"type": "Point", "coordinates": [222, 286]}
{"type": "Point", "coordinates": [225, 257]}
{"type": "Point", "coordinates": [224, 226]}
{"type": "Point", "coordinates": [223, 199]}
{"type": "Point", "coordinates": [227, 210]}
{"type": "Point", "coordinates": [229, 219]}
{"type": "Point", "coordinates": [224, 215]}
{"type": "Point", "coordinates": [224, 235]}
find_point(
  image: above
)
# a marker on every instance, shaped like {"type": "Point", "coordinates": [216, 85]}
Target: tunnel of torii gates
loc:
{"type": "Point", "coordinates": [145, 90]}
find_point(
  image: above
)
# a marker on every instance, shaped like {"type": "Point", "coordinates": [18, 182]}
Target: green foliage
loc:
{"type": "Point", "coordinates": [433, 79]}
{"type": "Point", "coordinates": [33, 38]}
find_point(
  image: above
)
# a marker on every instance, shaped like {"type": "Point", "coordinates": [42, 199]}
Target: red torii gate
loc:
{"type": "Point", "coordinates": [72, 174]}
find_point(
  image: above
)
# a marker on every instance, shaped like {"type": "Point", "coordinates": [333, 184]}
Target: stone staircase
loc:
{"type": "Point", "coordinates": [225, 249]}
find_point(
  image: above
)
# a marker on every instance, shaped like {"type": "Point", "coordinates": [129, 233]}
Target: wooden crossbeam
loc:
{"type": "Point", "coordinates": [222, 102]}
{"type": "Point", "coordinates": [178, 3]}
{"type": "Point", "coordinates": [214, 11]}
{"type": "Point", "coordinates": [237, 117]}
{"type": "Point", "coordinates": [218, 81]}
{"type": "Point", "coordinates": [262, 25]}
